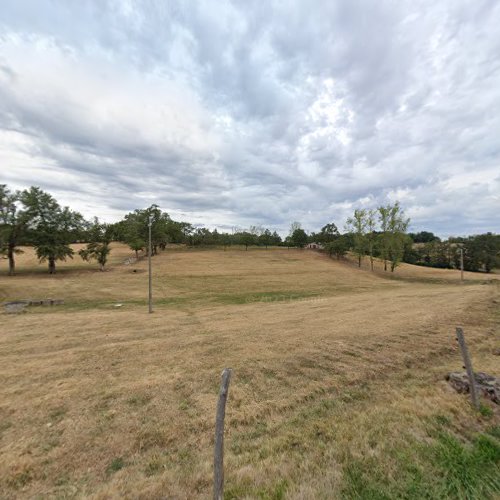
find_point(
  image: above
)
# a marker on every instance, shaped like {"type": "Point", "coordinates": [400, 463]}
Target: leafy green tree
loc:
{"type": "Point", "coordinates": [51, 228]}
{"type": "Point", "coordinates": [299, 238]}
{"type": "Point", "coordinates": [186, 229]}
{"type": "Point", "coordinates": [371, 235]}
{"type": "Point", "coordinates": [393, 237]}
{"type": "Point", "coordinates": [397, 226]}
{"type": "Point", "coordinates": [481, 252]}
{"type": "Point", "coordinates": [134, 230]}
{"type": "Point", "coordinates": [327, 233]}
{"type": "Point", "coordinates": [201, 237]}
{"type": "Point", "coordinates": [266, 238]}
{"type": "Point", "coordinates": [13, 224]}
{"type": "Point", "coordinates": [412, 254]}
{"type": "Point", "coordinates": [338, 247]}
{"type": "Point", "coordinates": [276, 239]}
{"type": "Point", "coordinates": [246, 238]}
{"type": "Point", "coordinates": [130, 232]}
{"type": "Point", "coordinates": [176, 232]}
{"type": "Point", "coordinates": [98, 246]}
{"type": "Point", "coordinates": [225, 240]}
{"type": "Point", "coordinates": [423, 237]}
{"type": "Point", "coordinates": [357, 226]}
{"type": "Point", "coordinates": [384, 236]}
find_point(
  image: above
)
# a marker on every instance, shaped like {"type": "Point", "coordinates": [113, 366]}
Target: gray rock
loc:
{"type": "Point", "coordinates": [487, 385]}
{"type": "Point", "coordinates": [15, 307]}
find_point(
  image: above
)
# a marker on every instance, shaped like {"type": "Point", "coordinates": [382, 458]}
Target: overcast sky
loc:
{"type": "Point", "coordinates": [256, 112]}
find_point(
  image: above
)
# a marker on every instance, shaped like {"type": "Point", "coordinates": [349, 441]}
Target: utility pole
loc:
{"type": "Point", "coordinates": [461, 264]}
{"type": "Point", "coordinates": [150, 222]}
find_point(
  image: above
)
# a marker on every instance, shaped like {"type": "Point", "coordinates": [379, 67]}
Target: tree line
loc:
{"type": "Point", "coordinates": [33, 217]}
{"type": "Point", "coordinates": [480, 252]}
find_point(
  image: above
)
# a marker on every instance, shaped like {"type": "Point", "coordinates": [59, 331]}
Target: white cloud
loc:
{"type": "Point", "coordinates": [262, 112]}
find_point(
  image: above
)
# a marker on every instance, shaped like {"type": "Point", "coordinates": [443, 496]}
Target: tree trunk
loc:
{"type": "Point", "coordinates": [52, 265]}
{"type": "Point", "coordinates": [137, 254]}
{"type": "Point", "coordinates": [359, 261]}
{"type": "Point", "coordinates": [371, 261]}
{"type": "Point", "coordinates": [12, 262]}
{"type": "Point", "coordinates": [102, 267]}
{"type": "Point", "coordinates": [385, 265]}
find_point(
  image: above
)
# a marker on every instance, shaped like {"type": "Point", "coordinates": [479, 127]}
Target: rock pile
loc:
{"type": "Point", "coordinates": [19, 305]}
{"type": "Point", "coordinates": [487, 385]}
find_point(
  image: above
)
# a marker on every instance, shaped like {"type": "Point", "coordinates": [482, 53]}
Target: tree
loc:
{"type": "Point", "coordinates": [423, 237]}
{"type": "Point", "coordinates": [276, 238]}
{"type": "Point", "coordinates": [383, 238]}
{"type": "Point", "coordinates": [98, 247]}
{"type": "Point", "coordinates": [393, 237]}
{"type": "Point", "coordinates": [13, 222]}
{"type": "Point", "coordinates": [176, 232]}
{"type": "Point", "coordinates": [397, 237]}
{"type": "Point", "coordinates": [481, 252]}
{"type": "Point", "coordinates": [357, 226]}
{"type": "Point", "coordinates": [338, 247]}
{"type": "Point", "coordinates": [51, 228]}
{"type": "Point", "coordinates": [129, 232]}
{"type": "Point", "coordinates": [246, 238]}
{"type": "Point", "coordinates": [134, 231]}
{"type": "Point", "coordinates": [266, 238]}
{"type": "Point", "coordinates": [202, 236]}
{"type": "Point", "coordinates": [327, 233]}
{"type": "Point", "coordinates": [225, 240]}
{"type": "Point", "coordinates": [370, 233]}
{"type": "Point", "coordinates": [299, 238]}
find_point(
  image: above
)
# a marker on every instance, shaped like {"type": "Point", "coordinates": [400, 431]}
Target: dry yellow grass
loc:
{"type": "Point", "coordinates": [330, 363]}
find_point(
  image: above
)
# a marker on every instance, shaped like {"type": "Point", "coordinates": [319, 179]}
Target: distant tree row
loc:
{"type": "Point", "coordinates": [480, 253]}
{"type": "Point", "coordinates": [382, 233]}
{"type": "Point", "coordinates": [33, 217]}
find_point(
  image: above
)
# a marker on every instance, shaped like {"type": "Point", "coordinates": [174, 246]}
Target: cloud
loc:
{"type": "Point", "coordinates": [256, 112]}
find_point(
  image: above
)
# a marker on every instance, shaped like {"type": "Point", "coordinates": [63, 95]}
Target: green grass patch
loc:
{"type": "Point", "coordinates": [485, 411]}
{"type": "Point", "coordinates": [115, 465]}
{"type": "Point", "coordinates": [246, 298]}
{"type": "Point", "coordinates": [449, 468]}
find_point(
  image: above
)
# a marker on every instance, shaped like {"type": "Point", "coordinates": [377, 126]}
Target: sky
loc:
{"type": "Point", "coordinates": [231, 114]}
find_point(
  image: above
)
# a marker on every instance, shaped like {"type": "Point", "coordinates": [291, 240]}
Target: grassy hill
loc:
{"type": "Point", "coordinates": [337, 391]}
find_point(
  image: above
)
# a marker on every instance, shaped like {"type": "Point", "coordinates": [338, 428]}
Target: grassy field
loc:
{"type": "Point", "coordinates": [338, 388]}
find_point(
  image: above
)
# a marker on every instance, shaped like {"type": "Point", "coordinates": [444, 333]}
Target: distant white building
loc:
{"type": "Point", "coordinates": [315, 246]}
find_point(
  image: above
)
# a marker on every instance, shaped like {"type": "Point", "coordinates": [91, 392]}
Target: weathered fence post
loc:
{"type": "Point", "coordinates": [468, 366]}
{"type": "Point", "coordinates": [219, 436]}
{"type": "Point", "coordinates": [462, 265]}
{"type": "Point", "coordinates": [150, 276]}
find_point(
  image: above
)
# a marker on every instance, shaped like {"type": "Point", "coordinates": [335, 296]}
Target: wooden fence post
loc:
{"type": "Point", "coordinates": [219, 436]}
{"type": "Point", "coordinates": [468, 366]}
{"type": "Point", "coordinates": [462, 265]}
